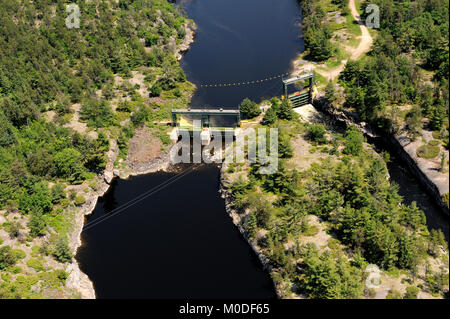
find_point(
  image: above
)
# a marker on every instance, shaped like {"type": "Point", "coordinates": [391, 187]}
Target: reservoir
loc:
{"type": "Point", "coordinates": [177, 243]}
{"type": "Point", "coordinates": [180, 242]}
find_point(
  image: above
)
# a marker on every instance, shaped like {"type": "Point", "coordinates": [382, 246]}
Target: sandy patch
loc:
{"type": "Point", "coordinates": [143, 147]}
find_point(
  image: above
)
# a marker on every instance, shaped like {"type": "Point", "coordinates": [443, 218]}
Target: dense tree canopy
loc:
{"type": "Point", "coordinates": [45, 65]}
{"type": "Point", "coordinates": [413, 38]}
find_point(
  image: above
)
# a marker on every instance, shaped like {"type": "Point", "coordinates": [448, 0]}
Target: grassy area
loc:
{"type": "Point", "coordinates": [320, 80]}
{"type": "Point", "coordinates": [352, 26]}
{"type": "Point", "coordinates": [358, 6]}
{"type": "Point", "coordinates": [428, 151]}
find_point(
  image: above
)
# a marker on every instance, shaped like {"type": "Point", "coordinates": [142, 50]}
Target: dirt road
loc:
{"type": "Point", "coordinates": [363, 47]}
{"type": "Point", "coordinates": [366, 38]}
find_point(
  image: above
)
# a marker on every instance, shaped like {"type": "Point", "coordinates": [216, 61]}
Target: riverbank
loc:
{"type": "Point", "coordinates": [425, 170]}
{"type": "Point", "coordinates": [239, 223]}
{"type": "Point", "coordinates": [77, 279]}
{"type": "Point", "coordinates": [295, 223]}
{"type": "Point", "coordinates": [429, 177]}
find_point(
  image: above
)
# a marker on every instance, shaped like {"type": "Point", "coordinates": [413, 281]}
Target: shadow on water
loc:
{"type": "Point", "coordinates": [412, 190]}
{"type": "Point", "coordinates": [180, 242]}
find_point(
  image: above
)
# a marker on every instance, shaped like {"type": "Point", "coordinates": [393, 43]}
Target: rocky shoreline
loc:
{"type": "Point", "coordinates": [239, 223]}
{"type": "Point", "coordinates": [426, 176]}
{"type": "Point", "coordinates": [77, 279]}
{"type": "Point", "coordinates": [188, 39]}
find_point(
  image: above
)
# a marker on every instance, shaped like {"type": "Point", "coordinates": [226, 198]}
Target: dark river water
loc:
{"type": "Point", "coordinates": [240, 41]}
{"type": "Point", "coordinates": [412, 190]}
{"type": "Point", "coordinates": [179, 242]}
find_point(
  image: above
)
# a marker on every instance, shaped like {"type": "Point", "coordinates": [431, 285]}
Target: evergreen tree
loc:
{"type": "Point", "coordinates": [249, 109]}
{"type": "Point", "coordinates": [62, 252]}
{"type": "Point", "coordinates": [285, 112]}
{"type": "Point", "coordinates": [270, 117]}
{"type": "Point", "coordinates": [330, 92]}
{"type": "Point", "coordinates": [438, 116]}
{"type": "Point", "coordinates": [37, 224]}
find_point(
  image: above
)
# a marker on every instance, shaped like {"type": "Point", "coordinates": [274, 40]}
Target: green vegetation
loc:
{"type": "Point", "coordinates": [330, 92]}
{"type": "Point", "coordinates": [316, 30]}
{"type": "Point", "coordinates": [411, 48]}
{"type": "Point", "coordinates": [353, 142]}
{"type": "Point", "coordinates": [279, 110]}
{"type": "Point", "coordinates": [428, 151]}
{"type": "Point", "coordinates": [7, 257]}
{"type": "Point", "coordinates": [249, 109]}
{"type": "Point", "coordinates": [316, 133]}
{"type": "Point", "coordinates": [357, 205]}
{"type": "Point", "coordinates": [79, 200]}
{"type": "Point", "coordinates": [77, 74]}
{"type": "Point", "coordinates": [411, 292]}
{"type": "Point", "coordinates": [36, 264]}
{"type": "Point", "coordinates": [328, 276]}
{"type": "Point", "coordinates": [62, 250]}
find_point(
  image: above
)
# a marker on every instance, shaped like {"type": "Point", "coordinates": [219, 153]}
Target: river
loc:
{"type": "Point", "coordinates": [180, 242]}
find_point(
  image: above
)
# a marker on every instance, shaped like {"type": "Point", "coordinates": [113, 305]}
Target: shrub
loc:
{"type": "Point", "coordinates": [436, 134]}
{"type": "Point", "coordinates": [16, 270]}
{"type": "Point", "coordinates": [317, 133]}
{"type": "Point", "coordinates": [434, 142]}
{"type": "Point", "coordinates": [428, 151]}
{"type": "Point", "coordinates": [36, 264]}
{"type": "Point", "coordinates": [79, 200]}
{"type": "Point", "coordinates": [14, 229]}
{"type": "Point", "coordinates": [19, 254]}
{"type": "Point", "coordinates": [411, 292]}
{"type": "Point", "coordinates": [124, 106]}
{"type": "Point", "coordinates": [155, 90]}
{"type": "Point", "coordinates": [140, 116]}
{"type": "Point", "coordinates": [150, 77]}
{"type": "Point", "coordinates": [445, 198]}
{"type": "Point", "coordinates": [394, 294]}
{"type": "Point", "coordinates": [7, 257]}
{"type": "Point", "coordinates": [57, 193]}
{"type": "Point", "coordinates": [311, 231]}
{"type": "Point", "coordinates": [437, 281]}
{"type": "Point", "coordinates": [249, 109]}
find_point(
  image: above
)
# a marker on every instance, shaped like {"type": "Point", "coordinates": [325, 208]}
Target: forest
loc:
{"type": "Point", "coordinates": [408, 64]}
{"type": "Point", "coordinates": [348, 189]}
{"type": "Point", "coordinates": [47, 67]}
